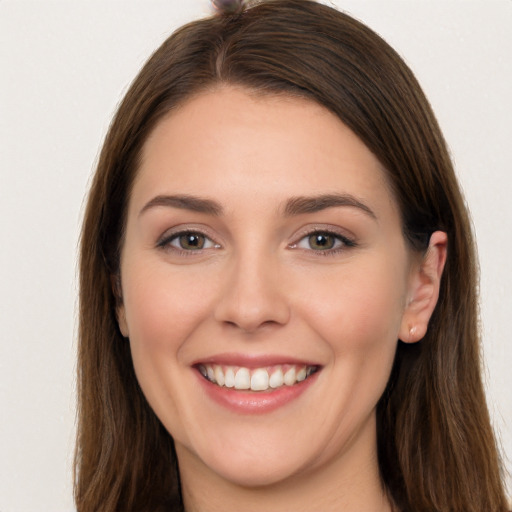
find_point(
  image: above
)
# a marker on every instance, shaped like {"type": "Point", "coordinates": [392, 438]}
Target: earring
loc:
{"type": "Point", "coordinates": [412, 333]}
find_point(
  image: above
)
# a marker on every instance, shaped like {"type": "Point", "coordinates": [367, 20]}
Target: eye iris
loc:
{"type": "Point", "coordinates": [192, 241]}
{"type": "Point", "coordinates": [321, 241]}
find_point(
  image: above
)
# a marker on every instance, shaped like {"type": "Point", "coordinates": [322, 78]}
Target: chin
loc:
{"type": "Point", "coordinates": [255, 472]}
{"type": "Point", "coordinates": [262, 462]}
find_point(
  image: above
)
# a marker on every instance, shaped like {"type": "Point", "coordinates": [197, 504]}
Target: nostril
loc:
{"type": "Point", "coordinates": [253, 323]}
{"type": "Point", "coordinates": [248, 326]}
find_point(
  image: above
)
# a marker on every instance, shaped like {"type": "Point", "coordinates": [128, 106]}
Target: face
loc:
{"type": "Point", "coordinates": [265, 282]}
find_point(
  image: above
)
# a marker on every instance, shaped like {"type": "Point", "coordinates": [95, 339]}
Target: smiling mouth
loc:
{"type": "Point", "coordinates": [256, 379]}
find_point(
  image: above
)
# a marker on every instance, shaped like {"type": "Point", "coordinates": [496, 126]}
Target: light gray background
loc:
{"type": "Point", "coordinates": [63, 68]}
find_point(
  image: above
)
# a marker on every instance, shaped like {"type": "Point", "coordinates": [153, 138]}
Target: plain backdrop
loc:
{"type": "Point", "coordinates": [64, 66]}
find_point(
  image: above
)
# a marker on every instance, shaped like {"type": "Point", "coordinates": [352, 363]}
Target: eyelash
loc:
{"type": "Point", "coordinates": [341, 243]}
{"type": "Point", "coordinates": [166, 242]}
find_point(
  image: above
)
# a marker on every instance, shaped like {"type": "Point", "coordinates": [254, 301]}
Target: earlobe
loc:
{"type": "Point", "coordinates": [424, 286]}
{"type": "Point", "coordinates": [115, 281]}
{"type": "Point", "coordinates": [121, 320]}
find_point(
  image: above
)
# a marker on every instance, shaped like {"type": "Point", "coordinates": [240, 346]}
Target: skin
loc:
{"type": "Point", "coordinates": [258, 287]}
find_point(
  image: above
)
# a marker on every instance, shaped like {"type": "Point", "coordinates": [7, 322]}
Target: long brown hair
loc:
{"type": "Point", "coordinates": [435, 443]}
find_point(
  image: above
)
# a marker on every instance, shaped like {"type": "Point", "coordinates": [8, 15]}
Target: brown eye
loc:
{"type": "Point", "coordinates": [324, 242]}
{"type": "Point", "coordinates": [187, 242]}
{"type": "Point", "coordinates": [321, 241]}
{"type": "Point", "coordinates": [191, 241]}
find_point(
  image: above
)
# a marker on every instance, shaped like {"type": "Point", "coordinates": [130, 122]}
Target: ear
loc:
{"type": "Point", "coordinates": [115, 282]}
{"type": "Point", "coordinates": [424, 285]}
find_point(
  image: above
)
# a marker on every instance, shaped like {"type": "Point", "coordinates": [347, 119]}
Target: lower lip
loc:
{"type": "Point", "coordinates": [255, 402]}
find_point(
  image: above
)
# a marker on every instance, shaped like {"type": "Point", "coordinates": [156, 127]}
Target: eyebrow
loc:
{"type": "Point", "coordinates": [302, 205]}
{"type": "Point", "coordinates": [185, 202]}
{"type": "Point", "coordinates": [294, 206]}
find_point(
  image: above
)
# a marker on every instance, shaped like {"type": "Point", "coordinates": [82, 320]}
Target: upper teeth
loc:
{"type": "Point", "coordinates": [257, 379]}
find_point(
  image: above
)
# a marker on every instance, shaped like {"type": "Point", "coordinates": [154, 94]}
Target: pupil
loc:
{"type": "Point", "coordinates": [321, 241]}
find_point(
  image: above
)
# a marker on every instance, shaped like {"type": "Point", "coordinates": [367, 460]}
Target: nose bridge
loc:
{"type": "Point", "coordinates": [252, 295]}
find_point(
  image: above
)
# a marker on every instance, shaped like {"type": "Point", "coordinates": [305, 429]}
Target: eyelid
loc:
{"type": "Point", "coordinates": [347, 240]}
{"type": "Point", "coordinates": [164, 241]}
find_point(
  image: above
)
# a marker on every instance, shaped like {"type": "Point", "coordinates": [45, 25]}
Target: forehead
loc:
{"type": "Point", "coordinates": [229, 142]}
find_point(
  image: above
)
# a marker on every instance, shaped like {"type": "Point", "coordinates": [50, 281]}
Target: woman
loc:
{"type": "Point", "coordinates": [278, 283]}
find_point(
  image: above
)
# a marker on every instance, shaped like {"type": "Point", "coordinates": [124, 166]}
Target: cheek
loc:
{"type": "Point", "coordinates": [163, 308]}
{"type": "Point", "coordinates": [359, 310]}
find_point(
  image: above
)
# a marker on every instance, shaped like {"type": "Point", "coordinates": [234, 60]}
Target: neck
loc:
{"type": "Point", "coordinates": [350, 483]}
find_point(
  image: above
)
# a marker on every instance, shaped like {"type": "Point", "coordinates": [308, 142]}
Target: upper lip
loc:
{"type": "Point", "coordinates": [253, 361]}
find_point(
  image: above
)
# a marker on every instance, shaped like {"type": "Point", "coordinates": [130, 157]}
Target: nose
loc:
{"type": "Point", "coordinates": [252, 296]}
